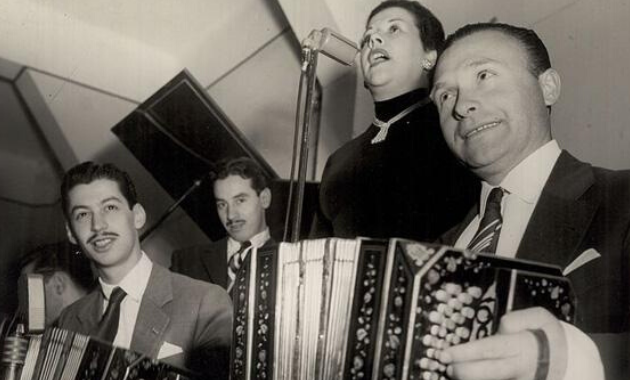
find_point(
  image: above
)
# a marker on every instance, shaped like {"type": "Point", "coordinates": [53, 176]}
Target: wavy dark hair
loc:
{"type": "Point", "coordinates": [431, 30]}
{"type": "Point", "coordinates": [88, 172]}
{"type": "Point", "coordinates": [244, 167]}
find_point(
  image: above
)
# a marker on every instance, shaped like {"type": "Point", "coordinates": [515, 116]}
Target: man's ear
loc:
{"type": "Point", "coordinates": [265, 198]}
{"type": "Point", "coordinates": [139, 216]}
{"type": "Point", "coordinates": [58, 282]}
{"type": "Point", "coordinates": [70, 234]}
{"type": "Point", "coordinates": [549, 82]}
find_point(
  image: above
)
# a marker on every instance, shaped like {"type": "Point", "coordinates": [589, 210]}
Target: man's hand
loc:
{"type": "Point", "coordinates": [512, 353]}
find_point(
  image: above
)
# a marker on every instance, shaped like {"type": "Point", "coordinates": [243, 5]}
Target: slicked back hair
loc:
{"type": "Point", "coordinates": [244, 167]}
{"type": "Point", "coordinates": [538, 60]}
{"type": "Point", "coordinates": [431, 30]}
{"type": "Point", "coordinates": [64, 257]}
{"type": "Point", "coordinates": [88, 172]}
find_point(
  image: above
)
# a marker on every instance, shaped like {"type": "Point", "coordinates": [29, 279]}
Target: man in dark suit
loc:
{"type": "Point", "coordinates": [138, 304]}
{"type": "Point", "coordinates": [242, 198]}
{"type": "Point", "coordinates": [494, 88]}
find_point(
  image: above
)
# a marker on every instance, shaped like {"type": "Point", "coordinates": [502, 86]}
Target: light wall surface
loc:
{"type": "Point", "coordinates": [589, 46]}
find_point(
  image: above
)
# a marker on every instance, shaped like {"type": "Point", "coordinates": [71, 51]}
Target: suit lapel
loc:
{"type": "Point", "coordinates": [214, 260]}
{"type": "Point", "coordinates": [450, 237]}
{"type": "Point", "coordinates": [152, 321]}
{"type": "Point", "coordinates": [563, 214]}
{"type": "Point", "coordinates": [269, 243]}
{"type": "Point", "coordinates": [91, 313]}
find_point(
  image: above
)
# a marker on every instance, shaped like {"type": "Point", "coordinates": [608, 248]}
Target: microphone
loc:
{"type": "Point", "coordinates": [32, 302]}
{"type": "Point", "coordinates": [332, 45]}
{"type": "Point", "coordinates": [13, 355]}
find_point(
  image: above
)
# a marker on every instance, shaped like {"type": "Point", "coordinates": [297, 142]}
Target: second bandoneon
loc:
{"type": "Point", "coordinates": [375, 309]}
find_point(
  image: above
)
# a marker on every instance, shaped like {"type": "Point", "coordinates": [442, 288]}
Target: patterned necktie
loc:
{"type": "Point", "coordinates": [234, 264]}
{"type": "Point", "coordinates": [487, 235]}
{"type": "Point", "coordinates": [108, 326]}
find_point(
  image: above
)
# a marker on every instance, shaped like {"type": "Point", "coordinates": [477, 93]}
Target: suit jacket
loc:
{"type": "Point", "coordinates": [205, 262]}
{"type": "Point", "coordinates": [582, 207]}
{"type": "Point", "coordinates": [175, 309]}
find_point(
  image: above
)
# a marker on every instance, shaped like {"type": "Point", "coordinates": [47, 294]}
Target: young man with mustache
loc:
{"type": "Point", "coordinates": [138, 304]}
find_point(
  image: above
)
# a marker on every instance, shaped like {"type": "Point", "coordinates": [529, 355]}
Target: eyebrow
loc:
{"type": "Point", "coordinates": [473, 63]}
{"type": "Point", "coordinates": [436, 87]}
{"type": "Point", "coordinates": [108, 199]}
{"type": "Point", "coordinates": [233, 197]}
{"type": "Point", "coordinates": [112, 198]}
{"type": "Point", "coordinates": [480, 62]}
{"type": "Point", "coordinates": [75, 208]}
{"type": "Point", "coordinates": [388, 20]}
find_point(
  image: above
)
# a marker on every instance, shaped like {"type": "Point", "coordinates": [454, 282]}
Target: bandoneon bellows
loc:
{"type": "Point", "coordinates": [375, 309]}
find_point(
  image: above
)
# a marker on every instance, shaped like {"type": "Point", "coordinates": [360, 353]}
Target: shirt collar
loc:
{"type": "Point", "coordinates": [527, 179]}
{"type": "Point", "coordinates": [257, 241]}
{"type": "Point", "coordinates": [134, 283]}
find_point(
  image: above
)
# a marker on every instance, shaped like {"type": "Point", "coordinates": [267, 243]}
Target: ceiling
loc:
{"type": "Point", "coordinates": [73, 38]}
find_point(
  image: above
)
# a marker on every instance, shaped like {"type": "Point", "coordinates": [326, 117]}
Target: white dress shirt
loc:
{"type": "Point", "coordinates": [523, 186]}
{"type": "Point", "coordinates": [257, 241]}
{"type": "Point", "coordinates": [134, 284]}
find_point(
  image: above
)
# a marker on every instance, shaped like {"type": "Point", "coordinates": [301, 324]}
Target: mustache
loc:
{"type": "Point", "coordinates": [101, 235]}
{"type": "Point", "coordinates": [230, 223]}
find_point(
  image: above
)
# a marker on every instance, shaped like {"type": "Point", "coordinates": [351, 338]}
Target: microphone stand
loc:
{"type": "Point", "coordinates": [303, 119]}
{"type": "Point", "coordinates": [14, 350]}
{"type": "Point", "coordinates": [171, 209]}
{"type": "Point", "coordinates": [343, 51]}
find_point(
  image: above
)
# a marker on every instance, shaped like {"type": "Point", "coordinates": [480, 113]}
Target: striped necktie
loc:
{"type": "Point", "coordinates": [487, 235]}
{"type": "Point", "coordinates": [234, 264]}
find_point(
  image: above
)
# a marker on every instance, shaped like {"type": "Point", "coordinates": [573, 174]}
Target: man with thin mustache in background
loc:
{"type": "Point", "coordinates": [242, 198]}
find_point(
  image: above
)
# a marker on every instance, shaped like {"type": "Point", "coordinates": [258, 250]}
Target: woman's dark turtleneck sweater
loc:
{"type": "Point", "coordinates": [408, 185]}
{"type": "Point", "coordinates": [386, 109]}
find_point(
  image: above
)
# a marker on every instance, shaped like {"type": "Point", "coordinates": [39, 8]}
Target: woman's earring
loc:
{"type": "Point", "coordinates": [427, 65]}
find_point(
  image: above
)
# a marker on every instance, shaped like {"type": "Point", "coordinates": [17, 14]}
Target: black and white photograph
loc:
{"type": "Point", "coordinates": [322, 189]}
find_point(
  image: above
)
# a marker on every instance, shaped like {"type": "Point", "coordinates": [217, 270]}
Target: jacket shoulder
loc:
{"type": "Point", "coordinates": [68, 317]}
{"type": "Point", "coordinates": [213, 246]}
{"type": "Point", "coordinates": [614, 184]}
{"type": "Point", "coordinates": [181, 257]}
{"type": "Point", "coordinates": [615, 177]}
{"type": "Point", "coordinates": [187, 287]}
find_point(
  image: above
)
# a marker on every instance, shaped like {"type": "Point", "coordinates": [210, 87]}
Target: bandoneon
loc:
{"type": "Point", "coordinates": [63, 355]}
{"type": "Point", "coordinates": [375, 309]}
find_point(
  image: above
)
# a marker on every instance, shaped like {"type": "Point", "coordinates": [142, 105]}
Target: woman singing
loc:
{"type": "Point", "coordinates": [398, 178]}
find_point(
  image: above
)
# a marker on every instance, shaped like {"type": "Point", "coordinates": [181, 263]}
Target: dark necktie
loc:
{"type": "Point", "coordinates": [487, 235]}
{"type": "Point", "coordinates": [234, 264]}
{"type": "Point", "coordinates": [108, 326]}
